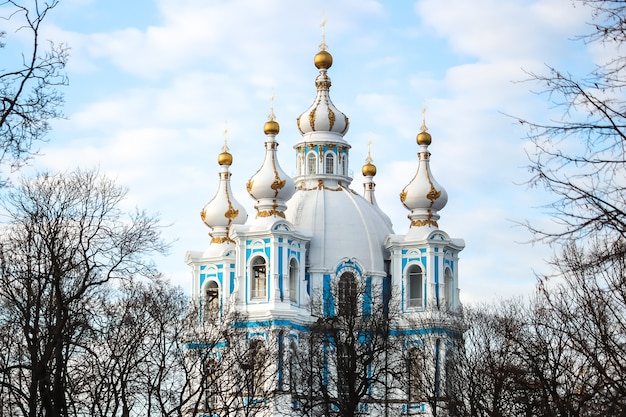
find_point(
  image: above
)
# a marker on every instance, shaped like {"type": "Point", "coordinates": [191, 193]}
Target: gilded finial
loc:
{"type": "Point", "coordinates": [271, 127]}
{"type": "Point", "coordinates": [424, 138]}
{"type": "Point", "coordinates": [225, 158]}
{"type": "Point", "coordinates": [369, 169]}
{"type": "Point", "coordinates": [323, 59]}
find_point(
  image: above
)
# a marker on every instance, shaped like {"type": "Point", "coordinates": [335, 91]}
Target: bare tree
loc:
{"type": "Point", "coordinates": [64, 237]}
{"type": "Point", "coordinates": [580, 157]}
{"type": "Point", "coordinates": [353, 358]}
{"type": "Point", "coordinates": [226, 372]}
{"type": "Point", "coordinates": [588, 309]}
{"type": "Point", "coordinates": [29, 95]}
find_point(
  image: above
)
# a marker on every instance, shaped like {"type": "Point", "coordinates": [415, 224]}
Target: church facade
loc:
{"type": "Point", "coordinates": [318, 262]}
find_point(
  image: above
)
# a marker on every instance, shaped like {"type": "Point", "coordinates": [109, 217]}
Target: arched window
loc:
{"type": "Point", "coordinates": [415, 368]}
{"type": "Point", "coordinates": [448, 288]}
{"type": "Point", "coordinates": [258, 282]}
{"type": "Point", "coordinates": [416, 288]}
{"type": "Point", "coordinates": [255, 368]}
{"type": "Point", "coordinates": [211, 302]}
{"type": "Point", "coordinates": [293, 281]}
{"type": "Point", "coordinates": [311, 163]}
{"type": "Point", "coordinates": [347, 297]}
{"type": "Point", "coordinates": [329, 164]}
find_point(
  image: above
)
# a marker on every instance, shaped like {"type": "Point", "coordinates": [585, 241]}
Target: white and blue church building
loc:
{"type": "Point", "coordinates": [312, 231]}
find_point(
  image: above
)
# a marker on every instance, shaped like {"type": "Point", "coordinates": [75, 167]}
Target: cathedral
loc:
{"type": "Point", "coordinates": [318, 260]}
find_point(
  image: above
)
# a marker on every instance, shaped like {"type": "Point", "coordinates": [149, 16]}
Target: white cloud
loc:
{"type": "Point", "coordinates": [168, 86]}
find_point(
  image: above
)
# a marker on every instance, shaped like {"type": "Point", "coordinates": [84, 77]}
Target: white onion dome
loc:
{"type": "Point", "coordinates": [342, 224]}
{"type": "Point", "coordinates": [270, 186]}
{"type": "Point", "coordinates": [423, 196]}
{"type": "Point", "coordinates": [223, 210]}
{"type": "Point", "coordinates": [323, 116]}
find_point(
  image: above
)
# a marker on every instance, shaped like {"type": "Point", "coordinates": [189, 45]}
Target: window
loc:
{"type": "Point", "coordinates": [210, 386]}
{"type": "Point", "coordinates": [449, 288]}
{"type": "Point", "coordinates": [293, 281]}
{"type": "Point", "coordinates": [416, 290]}
{"type": "Point", "coordinates": [258, 284]}
{"type": "Point", "coordinates": [347, 297]}
{"type": "Point", "coordinates": [293, 380]}
{"type": "Point", "coordinates": [311, 163]}
{"type": "Point", "coordinates": [416, 374]}
{"type": "Point", "coordinates": [256, 369]}
{"type": "Point", "coordinates": [211, 302]}
{"type": "Point", "coordinates": [329, 164]}
{"type": "Point", "coordinates": [347, 369]}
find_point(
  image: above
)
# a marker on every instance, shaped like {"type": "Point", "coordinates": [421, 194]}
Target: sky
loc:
{"type": "Point", "coordinates": [154, 83]}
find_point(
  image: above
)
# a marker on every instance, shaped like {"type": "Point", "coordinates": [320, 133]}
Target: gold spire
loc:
{"type": "Point", "coordinates": [424, 138]}
{"type": "Point", "coordinates": [271, 127]}
{"type": "Point", "coordinates": [323, 59]}
{"type": "Point", "coordinates": [369, 169]}
{"type": "Point", "coordinates": [225, 158]}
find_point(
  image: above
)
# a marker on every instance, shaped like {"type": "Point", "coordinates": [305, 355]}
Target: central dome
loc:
{"type": "Point", "coordinates": [342, 225]}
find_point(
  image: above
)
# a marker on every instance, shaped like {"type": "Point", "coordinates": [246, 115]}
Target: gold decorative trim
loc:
{"type": "Point", "coordinates": [231, 213]}
{"type": "Point", "coordinates": [278, 184]}
{"type": "Point", "coordinates": [269, 213]}
{"type": "Point", "coordinates": [331, 118]}
{"type": "Point", "coordinates": [222, 239]}
{"type": "Point", "coordinates": [403, 196]}
{"type": "Point", "coordinates": [420, 223]}
{"type": "Point", "coordinates": [433, 194]}
{"type": "Point", "coordinates": [203, 214]}
{"type": "Point", "coordinates": [249, 185]}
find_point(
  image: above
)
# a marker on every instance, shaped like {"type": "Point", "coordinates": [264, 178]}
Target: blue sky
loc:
{"type": "Point", "coordinates": [153, 84]}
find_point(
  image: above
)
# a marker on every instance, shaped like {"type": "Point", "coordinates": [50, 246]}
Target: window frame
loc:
{"type": "Point", "coordinates": [211, 304]}
{"type": "Point", "coordinates": [415, 275]}
{"type": "Point", "coordinates": [294, 272]}
{"type": "Point", "coordinates": [311, 163]}
{"type": "Point", "coordinates": [448, 285]}
{"type": "Point", "coordinates": [256, 281]}
{"type": "Point", "coordinates": [347, 295]}
{"type": "Point", "coordinates": [329, 163]}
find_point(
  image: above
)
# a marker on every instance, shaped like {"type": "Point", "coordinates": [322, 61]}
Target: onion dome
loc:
{"type": "Point", "coordinates": [323, 116]}
{"type": "Point", "coordinates": [423, 196]}
{"type": "Point", "coordinates": [223, 210]}
{"type": "Point", "coordinates": [270, 186]}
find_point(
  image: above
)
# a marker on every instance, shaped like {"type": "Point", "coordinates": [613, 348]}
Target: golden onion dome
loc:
{"type": "Point", "coordinates": [323, 60]}
{"type": "Point", "coordinates": [369, 170]}
{"type": "Point", "coordinates": [423, 138]}
{"type": "Point", "coordinates": [271, 127]}
{"type": "Point", "coordinates": [225, 158]}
